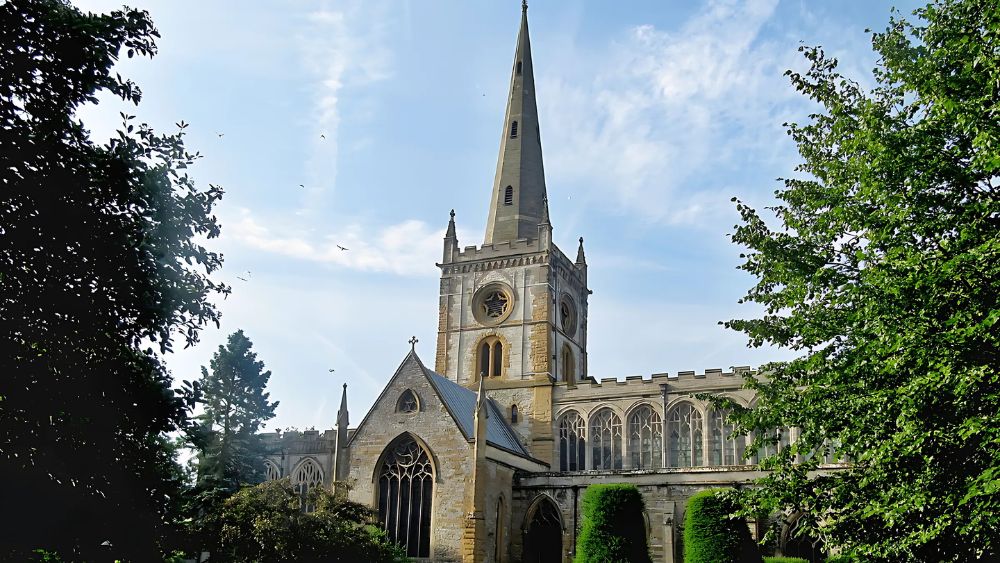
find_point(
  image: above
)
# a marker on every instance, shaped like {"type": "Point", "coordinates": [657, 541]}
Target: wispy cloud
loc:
{"type": "Point", "coordinates": [340, 48]}
{"type": "Point", "coordinates": [666, 105]}
{"type": "Point", "coordinates": [408, 248]}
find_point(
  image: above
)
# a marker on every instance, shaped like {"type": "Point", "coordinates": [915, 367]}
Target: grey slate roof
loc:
{"type": "Point", "coordinates": [462, 404]}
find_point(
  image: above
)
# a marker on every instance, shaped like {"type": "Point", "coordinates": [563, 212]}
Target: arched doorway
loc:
{"type": "Point", "coordinates": [795, 544]}
{"type": "Point", "coordinates": [543, 533]}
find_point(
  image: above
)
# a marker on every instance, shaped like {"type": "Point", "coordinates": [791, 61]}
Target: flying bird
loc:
{"type": "Point", "coordinates": [322, 136]}
{"type": "Point", "coordinates": [302, 185]}
{"type": "Point", "coordinates": [331, 370]}
{"type": "Point", "coordinates": [241, 279]}
{"type": "Point", "coordinates": [220, 135]}
{"type": "Point", "coordinates": [342, 248]}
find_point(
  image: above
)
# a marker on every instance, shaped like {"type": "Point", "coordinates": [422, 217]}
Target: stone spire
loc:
{"type": "Point", "coordinates": [341, 458]}
{"type": "Point", "coordinates": [581, 259]}
{"type": "Point", "coordinates": [519, 185]}
{"type": "Point", "coordinates": [342, 416]}
{"type": "Point", "coordinates": [450, 241]}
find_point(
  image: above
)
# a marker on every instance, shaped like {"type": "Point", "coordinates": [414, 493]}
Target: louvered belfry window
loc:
{"type": "Point", "coordinates": [513, 129]}
{"type": "Point", "coordinates": [508, 195]}
{"type": "Point", "coordinates": [405, 494]}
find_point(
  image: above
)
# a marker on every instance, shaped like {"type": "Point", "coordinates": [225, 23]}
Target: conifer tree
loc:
{"type": "Point", "coordinates": [236, 407]}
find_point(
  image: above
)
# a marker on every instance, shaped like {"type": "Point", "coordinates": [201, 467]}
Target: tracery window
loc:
{"type": "Point", "coordinates": [685, 429]}
{"type": "Point", "coordinates": [307, 475]}
{"type": "Point", "coordinates": [407, 402]}
{"type": "Point", "coordinates": [271, 471]}
{"type": "Point", "coordinates": [645, 438]}
{"type": "Point", "coordinates": [775, 440]}
{"type": "Point", "coordinates": [490, 357]}
{"type": "Point", "coordinates": [405, 494]}
{"type": "Point", "coordinates": [726, 446]}
{"type": "Point", "coordinates": [606, 439]}
{"type": "Point", "coordinates": [572, 442]}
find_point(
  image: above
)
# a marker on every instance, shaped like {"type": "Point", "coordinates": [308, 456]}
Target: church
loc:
{"type": "Point", "coordinates": [482, 453]}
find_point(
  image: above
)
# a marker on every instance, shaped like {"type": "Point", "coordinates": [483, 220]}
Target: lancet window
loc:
{"type": "Point", "coordinates": [508, 195]}
{"type": "Point", "coordinates": [726, 446]}
{"type": "Point", "coordinates": [490, 357]}
{"type": "Point", "coordinates": [645, 438]}
{"type": "Point", "coordinates": [307, 475]}
{"type": "Point", "coordinates": [572, 442]}
{"type": "Point", "coordinates": [685, 429]}
{"type": "Point", "coordinates": [405, 496]}
{"type": "Point", "coordinates": [606, 439]}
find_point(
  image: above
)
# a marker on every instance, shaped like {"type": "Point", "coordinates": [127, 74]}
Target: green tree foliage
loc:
{"type": "Point", "coordinates": [98, 259]}
{"type": "Point", "coordinates": [614, 530]}
{"type": "Point", "coordinates": [235, 408]}
{"type": "Point", "coordinates": [712, 534]}
{"type": "Point", "coordinates": [265, 524]}
{"type": "Point", "coordinates": [885, 277]}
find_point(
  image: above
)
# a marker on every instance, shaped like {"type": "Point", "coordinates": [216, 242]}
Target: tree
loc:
{"type": "Point", "coordinates": [99, 272]}
{"type": "Point", "coordinates": [236, 407]}
{"type": "Point", "coordinates": [885, 278]}
{"type": "Point", "coordinates": [613, 526]}
{"type": "Point", "coordinates": [265, 524]}
{"type": "Point", "coordinates": [712, 534]}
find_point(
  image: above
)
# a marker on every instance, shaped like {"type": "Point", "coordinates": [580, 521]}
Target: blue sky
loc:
{"type": "Point", "coordinates": [388, 114]}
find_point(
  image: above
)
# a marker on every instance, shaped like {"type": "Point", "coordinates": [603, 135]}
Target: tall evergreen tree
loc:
{"type": "Point", "coordinates": [886, 279]}
{"type": "Point", "coordinates": [99, 256]}
{"type": "Point", "coordinates": [236, 407]}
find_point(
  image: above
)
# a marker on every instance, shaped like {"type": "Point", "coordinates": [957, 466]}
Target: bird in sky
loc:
{"type": "Point", "coordinates": [241, 278]}
{"type": "Point", "coordinates": [342, 248]}
{"type": "Point", "coordinates": [302, 185]}
{"type": "Point", "coordinates": [322, 136]}
{"type": "Point", "coordinates": [220, 135]}
{"type": "Point", "coordinates": [331, 370]}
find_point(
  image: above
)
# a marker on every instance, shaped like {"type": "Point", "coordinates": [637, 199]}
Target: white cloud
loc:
{"type": "Point", "coordinates": [667, 106]}
{"type": "Point", "coordinates": [409, 248]}
{"type": "Point", "coordinates": [340, 49]}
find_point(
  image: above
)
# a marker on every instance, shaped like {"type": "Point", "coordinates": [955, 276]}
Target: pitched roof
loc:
{"type": "Point", "coordinates": [461, 402]}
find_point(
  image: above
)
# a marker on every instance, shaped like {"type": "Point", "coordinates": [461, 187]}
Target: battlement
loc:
{"type": "Point", "coordinates": [713, 377]}
{"type": "Point", "coordinates": [498, 250]}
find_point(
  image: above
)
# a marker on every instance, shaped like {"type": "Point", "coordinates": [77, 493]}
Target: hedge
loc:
{"type": "Point", "coordinates": [711, 536]}
{"type": "Point", "coordinates": [614, 530]}
{"type": "Point", "coordinates": [785, 560]}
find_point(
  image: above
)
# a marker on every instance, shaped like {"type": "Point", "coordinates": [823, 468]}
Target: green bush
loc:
{"type": "Point", "coordinates": [842, 559]}
{"type": "Point", "coordinates": [711, 536]}
{"type": "Point", "coordinates": [785, 560]}
{"type": "Point", "coordinates": [614, 530]}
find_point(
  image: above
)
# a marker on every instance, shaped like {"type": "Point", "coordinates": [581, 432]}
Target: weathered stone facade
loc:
{"type": "Point", "coordinates": [489, 454]}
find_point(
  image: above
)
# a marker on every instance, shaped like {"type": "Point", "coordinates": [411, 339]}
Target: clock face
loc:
{"type": "Point", "coordinates": [567, 316]}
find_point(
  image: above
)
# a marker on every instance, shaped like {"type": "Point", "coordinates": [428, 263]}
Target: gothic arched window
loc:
{"type": "Point", "coordinates": [685, 429]}
{"type": "Point", "coordinates": [508, 195]}
{"type": "Point", "coordinates": [606, 439]}
{"type": "Point", "coordinates": [645, 438]}
{"type": "Point", "coordinates": [271, 471]}
{"type": "Point", "coordinates": [490, 357]}
{"type": "Point", "coordinates": [405, 494]}
{"type": "Point", "coordinates": [775, 440]}
{"type": "Point", "coordinates": [572, 442]}
{"type": "Point", "coordinates": [513, 129]}
{"type": "Point", "coordinates": [513, 414]}
{"type": "Point", "coordinates": [407, 402]}
{"type": "Point", "coordinates": [726, 447]}
{"type": "Point", "coordinates": [307, 475]}
{"type": "Point", "coordinates": [568, 365]}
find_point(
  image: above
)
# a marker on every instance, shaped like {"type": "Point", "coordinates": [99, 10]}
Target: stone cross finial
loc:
{"type": "Point", "coordinates": [452, 213]}
{"type": "Point", "coordinates": [413, 343]}
{"type": "Point", "coordinates": [524, 5]}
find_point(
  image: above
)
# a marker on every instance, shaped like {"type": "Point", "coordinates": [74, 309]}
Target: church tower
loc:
{"type": "Point", "coordinates": [514, 311]}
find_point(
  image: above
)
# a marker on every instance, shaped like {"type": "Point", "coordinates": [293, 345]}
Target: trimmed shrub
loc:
{"type": "Point", "coordinates": [711, 536]}
{"type": "Point", "coordinates": [614, 530]}
{"type": "Point", "coordinates": [842, 559]}
{"type": "Point", "coordinates": [785, 560]}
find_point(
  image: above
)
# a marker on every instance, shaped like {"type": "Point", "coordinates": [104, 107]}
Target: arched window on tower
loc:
{"type": "Point", "coordinates": [685, 429]}
{"type": "Point", "coordinates": [572, 442]}
{"type": "Point", "coordinates": [307, 475]}
{"type": "Point", "coordinates": [645, 438]}
{"type": "Point", "coordinates": [513, 414]}
{"type": "Point", "coordinates": [606, 439]}
{"type": "Point", "coordinates": [405, 494]}
{"type": "Point", "coordinates": [518, 67]}
{"type": "Point", "coordinates": [508, 195]}
{"type": "Point", "coordinates": [513, 129]}
{"type": "Point", "coordinates": [726, 447]}
{"type": "Point", "coordinates": [568, 364]}
{"type": "Point", "coordinates": [490, 357]}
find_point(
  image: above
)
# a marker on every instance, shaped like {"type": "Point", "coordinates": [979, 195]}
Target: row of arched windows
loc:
{"type": "Point", "coordinates": [603, 442]}
{"type": "Point", "coordinates": [307, 474]}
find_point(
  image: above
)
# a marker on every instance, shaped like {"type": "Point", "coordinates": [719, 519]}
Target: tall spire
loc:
{"type": "Point", "coordinates": [518, 204]}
